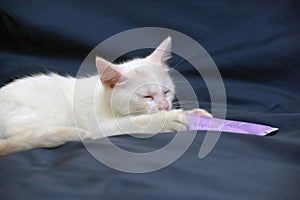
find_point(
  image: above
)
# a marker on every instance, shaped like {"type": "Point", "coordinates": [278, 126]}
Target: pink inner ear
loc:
{"type": "Point", "coordinates": [110, 77]}
{"type": "Point", "coordinates": [162, 53]}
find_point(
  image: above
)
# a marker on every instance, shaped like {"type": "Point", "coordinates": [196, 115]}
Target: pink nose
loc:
{"type": "Point", "coordinates": [163, 105]}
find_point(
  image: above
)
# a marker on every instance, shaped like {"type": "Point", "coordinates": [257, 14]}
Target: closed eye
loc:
{"type": "Point", "coordinates": [167, 91]}
{"type": "Point", "coordinates": [148, 97]}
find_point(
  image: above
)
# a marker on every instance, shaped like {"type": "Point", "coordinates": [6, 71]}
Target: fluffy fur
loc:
{"type": "Point", "coordinates": [47, 110]}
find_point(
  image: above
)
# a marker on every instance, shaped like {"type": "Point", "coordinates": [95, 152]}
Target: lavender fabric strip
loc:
{"type": "Point", "coordinates": [215, 124]}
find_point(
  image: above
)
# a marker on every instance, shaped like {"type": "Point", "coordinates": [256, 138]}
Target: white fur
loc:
{"type": "Point", "coordinates": [49, 110]}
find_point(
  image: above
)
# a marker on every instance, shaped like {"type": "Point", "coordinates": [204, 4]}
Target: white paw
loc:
{"type": "Point", "coordinates": [200, 112]}
{"type": "Point", "coordinates": [176, 120]}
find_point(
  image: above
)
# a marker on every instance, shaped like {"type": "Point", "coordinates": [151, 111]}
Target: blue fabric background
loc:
{"type": "Point", "coordinates": [255, 45]}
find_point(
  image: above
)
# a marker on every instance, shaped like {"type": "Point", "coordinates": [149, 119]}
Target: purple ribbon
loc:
{"type": "Point", "coordinates": [215, 124]}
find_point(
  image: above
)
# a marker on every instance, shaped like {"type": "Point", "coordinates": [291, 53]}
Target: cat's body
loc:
{"type": "Point", "coordinates": [49, 110]}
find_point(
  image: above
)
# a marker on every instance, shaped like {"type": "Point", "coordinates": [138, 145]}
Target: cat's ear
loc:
{"type": "Point", "coordinates": [162, 53]}
{"type": "Point", "coordinates": [109, 73]}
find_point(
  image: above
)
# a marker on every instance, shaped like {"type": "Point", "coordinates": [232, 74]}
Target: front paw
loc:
{"type": "Point", "coordinates": [176, 120]}
{"type": "Point", "coordinates": [199, 112]}
{"type": "Point", "coordinates": [162, 121]}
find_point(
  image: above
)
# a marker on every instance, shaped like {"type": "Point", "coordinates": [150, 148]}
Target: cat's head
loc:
{"type": "Point", "coordinates": [139, 86]}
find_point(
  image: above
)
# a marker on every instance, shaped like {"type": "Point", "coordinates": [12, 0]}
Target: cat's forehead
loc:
{"type": "Point", "coordinates": [143, 90]}
{"type": "Point", "coordinates": [152, 77]}
{"type": "Point", "coordinates": [149, 83]}
{"type": "Point", "coordinates": [152, 88]}
{"type": "Point", "coordinates": [146, 71]}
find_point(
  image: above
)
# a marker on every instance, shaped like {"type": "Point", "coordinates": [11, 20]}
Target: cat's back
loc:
{"type": "Point", "coordinates": [39, 90]}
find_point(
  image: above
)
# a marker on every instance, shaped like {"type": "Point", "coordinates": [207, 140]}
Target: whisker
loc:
{"type": "Point", "coordinates": [188, 102]}
{"type": "Point", "coordinates": [176, 64]}
{"type": "Point", "coordinates": [186, 99]}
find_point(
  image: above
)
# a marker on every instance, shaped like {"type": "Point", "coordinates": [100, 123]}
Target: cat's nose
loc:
{"type": "Point", "coordinates": [163, 105]}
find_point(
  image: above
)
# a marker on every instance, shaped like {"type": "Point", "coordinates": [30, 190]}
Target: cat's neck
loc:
{"type": "Point", "coordinates": [99, 98]}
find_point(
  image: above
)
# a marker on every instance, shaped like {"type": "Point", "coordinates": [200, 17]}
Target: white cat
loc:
{"type": "Point", "coordinates": [132, 97]}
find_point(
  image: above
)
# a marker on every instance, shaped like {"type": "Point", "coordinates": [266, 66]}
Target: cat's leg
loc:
{"type": "Point", "coordinates": [41, 139]}
{"type": "Point", "coordinates": [199, 112]}
{"type": "Point", "coordinates": [163, 121]}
